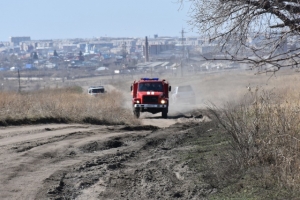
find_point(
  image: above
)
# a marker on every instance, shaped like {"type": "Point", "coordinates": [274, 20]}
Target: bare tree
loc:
{"type": "Point", "coordinates": [258, 32]}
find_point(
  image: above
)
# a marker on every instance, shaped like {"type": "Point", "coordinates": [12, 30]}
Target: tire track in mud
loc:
{"type": "Point", "coordinates": [26, 146]}
{"type": "Point", "coordinates": [24, 164]}
{"type": "Point", "coordinates": [30, 129]}
{"type": "Point", "coordinates": [147, 168]}
{"type": "Point", "coordinates": [87, 161]}
{"type": "Point", "coordinates": [14, 137]}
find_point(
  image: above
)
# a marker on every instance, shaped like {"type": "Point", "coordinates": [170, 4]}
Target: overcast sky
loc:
{"type": "Point", "coordinates": [60, 19]}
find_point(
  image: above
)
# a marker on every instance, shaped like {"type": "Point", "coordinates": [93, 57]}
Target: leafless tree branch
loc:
{"type": "Point", "coordinates": [256, 31]}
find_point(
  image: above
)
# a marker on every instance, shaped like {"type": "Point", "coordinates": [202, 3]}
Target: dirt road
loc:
{"type": "Point", "coordinates": [78, 161]}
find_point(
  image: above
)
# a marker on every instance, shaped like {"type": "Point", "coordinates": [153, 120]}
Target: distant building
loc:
{"type": "Point", "coordinates": [282, 47]}
{"type": "Point", "coordinates": [156, 49]}
{"type": "Point", "coordinates": [87, 48]}
{"type": "Point", "coordinates": [16, 40]}
{"type": "Point", "coordinates": [37, 44]}
{"type": "Point", "coordinates": [94, 45]}
{"type": "Point", "coordinates": [68, 47]}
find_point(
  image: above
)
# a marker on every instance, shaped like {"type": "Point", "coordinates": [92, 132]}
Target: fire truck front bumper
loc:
{"type": "Point", "coordinates": [150, 105]}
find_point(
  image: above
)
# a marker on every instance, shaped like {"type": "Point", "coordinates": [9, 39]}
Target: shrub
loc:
{"type": "Point", "coordinates": [265, 129]}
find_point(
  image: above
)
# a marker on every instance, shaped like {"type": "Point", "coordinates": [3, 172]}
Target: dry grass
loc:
{"type": "Point", "coordinates": [265, 130]}
{"type": "Point", "coordinates": [63, 105]}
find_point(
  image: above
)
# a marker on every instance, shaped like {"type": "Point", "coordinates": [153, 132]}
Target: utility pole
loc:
{"type": "Point", "coordinates": [19, 77]}
{"type": "Point", "coordinates": [182, 42]}
{"type": "Point", "coordinates": [183, 48]}
{"type": "Point", "coordinates": [124, 52]}
{"type": "Point", "coordinates": [146, 49]}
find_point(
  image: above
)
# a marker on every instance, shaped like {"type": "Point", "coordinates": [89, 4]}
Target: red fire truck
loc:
{"type": "Point", "coordinates": [150, 95]}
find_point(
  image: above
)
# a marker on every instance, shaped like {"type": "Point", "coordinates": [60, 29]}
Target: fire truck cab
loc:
{"type": "Point", "coordinates": [150, 95]}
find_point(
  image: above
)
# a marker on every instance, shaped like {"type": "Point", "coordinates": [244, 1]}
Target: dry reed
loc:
{"type": "Point", "coordinates": [265, 130]}
{"type": "Point", "coordinates": [66, 105]}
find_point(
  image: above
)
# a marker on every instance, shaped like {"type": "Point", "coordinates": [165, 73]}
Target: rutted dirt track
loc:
{"type": "Point", "coordinates": [76, 161]}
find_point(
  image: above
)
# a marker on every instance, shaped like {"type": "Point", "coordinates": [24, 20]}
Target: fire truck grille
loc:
{"type": "Point", "coordinates": [150, 99]}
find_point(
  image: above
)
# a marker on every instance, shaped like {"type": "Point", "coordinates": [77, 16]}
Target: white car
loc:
{"type": "Point", "coordinates": [95, 90]}
{"type": "Point", "coordinates": [184, 95]}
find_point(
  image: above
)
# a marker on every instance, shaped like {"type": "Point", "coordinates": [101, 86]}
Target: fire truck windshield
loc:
{"type": "Point", "coordinates": [151, 86]}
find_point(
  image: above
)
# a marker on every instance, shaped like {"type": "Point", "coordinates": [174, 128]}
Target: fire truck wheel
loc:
{"type": "Point", "coordinates": [164, 113]}
{"type": "Point", "coordinates": [136, 113]}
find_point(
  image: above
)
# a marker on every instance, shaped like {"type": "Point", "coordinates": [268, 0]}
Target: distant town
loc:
{"type": "Point", "coordinates": [103, 53]}
{"type": "Point", "coordinates": [110, 56]}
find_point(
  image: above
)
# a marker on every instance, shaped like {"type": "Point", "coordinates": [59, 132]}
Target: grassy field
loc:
{"type": "Point", "coordinates": [67, 105]}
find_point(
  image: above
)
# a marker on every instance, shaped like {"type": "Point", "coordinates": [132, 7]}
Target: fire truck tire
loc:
{"type": "Point", "coordinates": [164, 113]}
{"type": "Point", "coordinates": [136, 113]}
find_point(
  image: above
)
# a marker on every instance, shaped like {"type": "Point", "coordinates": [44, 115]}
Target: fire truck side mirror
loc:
{"type": "Point", "coordinates": [131, 88]}
{"type": "Point", "coordinates": [169, 88]}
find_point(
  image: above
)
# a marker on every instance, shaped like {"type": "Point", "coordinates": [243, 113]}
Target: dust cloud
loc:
{"type": "Point", "coordinates": [216, 88]}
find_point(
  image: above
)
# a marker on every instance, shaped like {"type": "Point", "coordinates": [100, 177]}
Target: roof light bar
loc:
{"type": "Point", "coordinates": [150, 79]}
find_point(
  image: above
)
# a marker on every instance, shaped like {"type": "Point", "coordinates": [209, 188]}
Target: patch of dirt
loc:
{"type": "Point", "coordinates": [152, 167]}
{"type": "Point", "coordinates": [101, 145]}
{"type": "Point", "coordinates": [69, 161]}
{"type": "Point", "coordinates": [140, 128]}
{"type": "Point", "coordinates": [26, 121]}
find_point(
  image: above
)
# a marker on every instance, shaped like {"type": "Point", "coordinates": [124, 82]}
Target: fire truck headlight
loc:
{"type": "Point", "coordinates": [137, 101]}
{"type": "Point", "coordinates": [163, 101]}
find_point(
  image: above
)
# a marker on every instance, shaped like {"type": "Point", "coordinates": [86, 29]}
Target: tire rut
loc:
{"type": "Point", "coordinates": [144, 169]}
